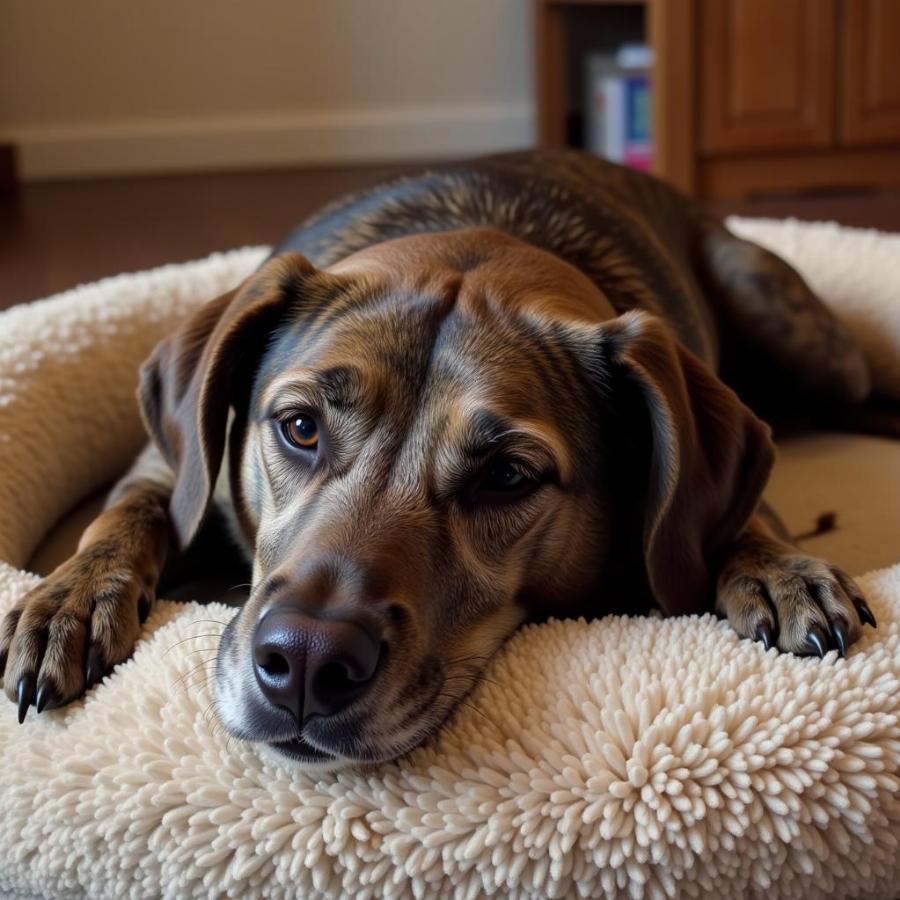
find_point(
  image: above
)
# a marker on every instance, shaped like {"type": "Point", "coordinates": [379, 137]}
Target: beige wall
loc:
{"type": "Point", "coordinates": [92, 86]}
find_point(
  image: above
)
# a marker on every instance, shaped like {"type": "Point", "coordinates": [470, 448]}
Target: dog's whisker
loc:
{"type": "Point", "coordinates": [203, 685]}
{"type": "Point", "coordinates": [202, 650]}
{"type": "Point", "coordinates": [205, 680]}
{"type": "Point", "coordinates": [476, 673]}
{"type": "Point", "coordinates": [210, 709]}
{"type": "Point", "coordinates": [461, 701]}
{"type": "Point", "coordinates": [192, 637]}
{"type": "Point", "coordinates": [208, 673]}
{"type": "Point", "coordinates": [216, 729]}
{"type": "Point", "coordinates": [179, 681]}
{"type": "Point", "coordinates": [475, 679]}
{"type": "Point", "coordinates": [465, 659]}
{"type": "Point", "coordinates": [211, 712]}
{"type": "Point", "coordinates": [198, 687]}
{"type": "Point", "coordinates": [182, 682]}
{"type": "Point", "coordinates": [475, 666]}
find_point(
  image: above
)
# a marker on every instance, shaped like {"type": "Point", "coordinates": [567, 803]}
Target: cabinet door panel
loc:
{"type": "Point", "coordinates": [767, 74]}
{"type": "Point", "coordinates": [870, 50]}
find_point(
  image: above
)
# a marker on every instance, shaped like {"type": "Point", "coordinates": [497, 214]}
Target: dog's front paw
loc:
{"type": "Point", "coordinates": [78, 623]}
{"type": "Point", "coordinates": [776, 594]}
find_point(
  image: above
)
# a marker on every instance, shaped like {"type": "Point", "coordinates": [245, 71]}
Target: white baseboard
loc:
{"type": "Point", "coordinates": [269, 139]}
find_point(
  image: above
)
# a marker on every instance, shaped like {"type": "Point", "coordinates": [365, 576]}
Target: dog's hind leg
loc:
{"type": "Point", "coordinates": [774, 321]}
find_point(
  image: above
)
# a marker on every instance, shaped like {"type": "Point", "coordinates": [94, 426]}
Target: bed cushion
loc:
{"type": "Point", "coordinates": [623, 757]}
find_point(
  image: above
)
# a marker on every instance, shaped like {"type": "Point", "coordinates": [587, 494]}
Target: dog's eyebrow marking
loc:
{"type": "Point", "coordinates": [534, 441]}
{"type": "Point", "coordinates": [485, 431]}
{"type": "Point", "coordinates": [339, 386]}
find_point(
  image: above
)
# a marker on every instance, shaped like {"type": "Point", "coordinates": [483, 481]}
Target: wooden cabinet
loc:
{"type": "Point", "coordinates": [766, 73]}
{"type": "Point", "coordinates": [870, 68]}
{"type": "Point", "coordinates": [750, 96]}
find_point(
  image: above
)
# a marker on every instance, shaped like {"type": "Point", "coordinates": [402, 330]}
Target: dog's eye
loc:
{"type": "Point", "coordinates": [301, 431]}
{"type": "Point", "coordinates": [505, 480]}
{"type": "Point", "coordinates": [503, 475]}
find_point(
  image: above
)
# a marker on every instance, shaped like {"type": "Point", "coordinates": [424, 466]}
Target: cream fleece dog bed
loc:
{"type": "Point", "coordinates": [621, 758]}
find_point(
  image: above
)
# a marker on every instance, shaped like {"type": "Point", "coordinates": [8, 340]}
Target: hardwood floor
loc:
{"type": "Point", "coordinates": [59, 234]}
{"type": "Point", "coordinates": [56, 235]}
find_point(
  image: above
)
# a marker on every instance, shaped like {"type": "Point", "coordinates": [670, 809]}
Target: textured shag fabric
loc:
{"type": "Point", "coordinates": [625, 757]}
{"type": "Point", "coordinates": [68, 371]}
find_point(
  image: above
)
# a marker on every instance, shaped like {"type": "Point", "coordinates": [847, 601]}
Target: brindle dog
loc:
{"type": "Point", "coordinates": [445, 406]}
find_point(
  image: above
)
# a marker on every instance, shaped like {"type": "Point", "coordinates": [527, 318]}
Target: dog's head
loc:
{"type": "Point", "coordinates": [429, 443]}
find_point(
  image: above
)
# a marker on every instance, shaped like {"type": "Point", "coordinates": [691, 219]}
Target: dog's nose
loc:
{"type": "Point", "coordinates": [313, 666]}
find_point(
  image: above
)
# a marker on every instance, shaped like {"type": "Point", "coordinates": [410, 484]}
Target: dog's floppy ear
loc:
{"type": "Point", "coordinates": [710, 457]}
{"type": "Point", "coordinates": [189, 382]}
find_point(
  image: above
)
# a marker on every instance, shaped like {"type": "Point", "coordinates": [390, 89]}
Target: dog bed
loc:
{"type": "Point", "coordinates": [627, 757]}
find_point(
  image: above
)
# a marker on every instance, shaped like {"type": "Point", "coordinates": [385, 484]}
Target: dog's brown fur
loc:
{"type": "Point", "coordinates": [553, 309]}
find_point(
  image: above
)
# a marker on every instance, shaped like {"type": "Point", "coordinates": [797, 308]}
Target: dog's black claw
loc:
{"type": "Point", "coordinates": [839, 633]}
{"type": "Point", "coordinates": [46, 697]}
{"type": "Point", "coordinates": [865, 614]}
{"type": "Point", "coordinates": [764, 634]}
{"type": "Point", "coordinates": [94, 670]}
{"type": "Point", "coordinates": [816, 641]}
{"type": "Point", "coordinates": [25, 693]}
